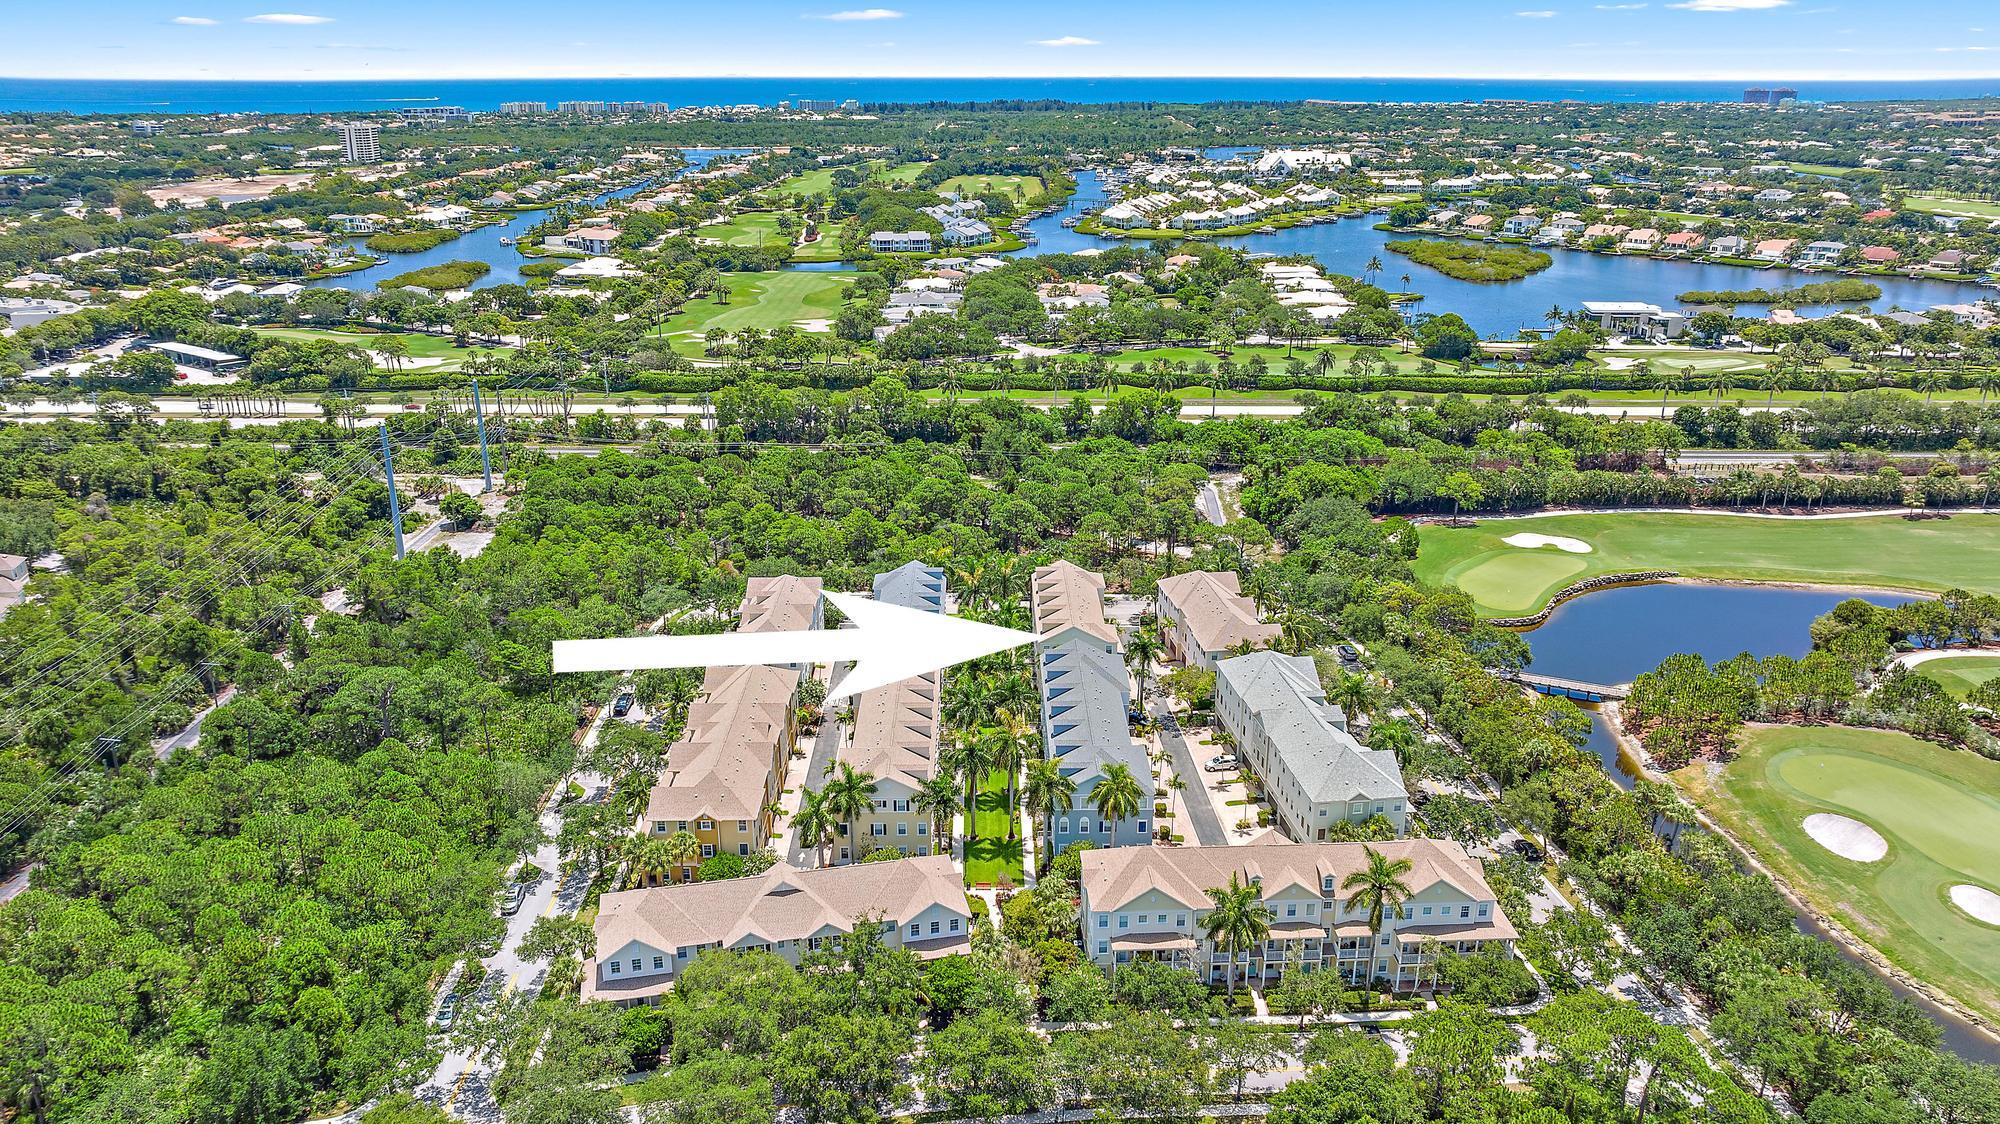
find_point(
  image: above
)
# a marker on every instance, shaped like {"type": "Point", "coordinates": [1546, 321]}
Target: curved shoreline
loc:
{"type": "Point", "coordinates": [1603, 582]}
{"type": "Point", "coordinates": [1840, 934]}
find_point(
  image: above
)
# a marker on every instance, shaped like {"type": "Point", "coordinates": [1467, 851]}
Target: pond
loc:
{"type": "Point", "coordinates": [1614, 635]}
{"type": "Point", "coordinates": [483, 244]}
{"type": "Point", "coordinates": [1507, 307]}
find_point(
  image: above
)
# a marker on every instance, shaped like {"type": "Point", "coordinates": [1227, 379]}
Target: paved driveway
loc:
{"type": "Point", "coordinates": [1200, 811]}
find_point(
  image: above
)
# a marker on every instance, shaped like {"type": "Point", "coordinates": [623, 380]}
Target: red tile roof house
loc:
{"type": "Point", "coordinates": [1880, 214]}
{"type": "Point", "coordinates": [1685, 241]}
{"type": "Point", "coordinates": [1878, 255]}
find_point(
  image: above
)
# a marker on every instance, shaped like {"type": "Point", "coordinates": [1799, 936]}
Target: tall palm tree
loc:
{"type": "Point", "coordinates": [1355, 694]}
{"type": "Point", "coordinates": [1117, 795]}
{"type": "Point", "coordinates": [938, 799]}
{"type": "Point", "coordinates": [1015, 742]}
{"type": "Point", "coordinates": [1237, 921]}
{"type": "Point", "coordinates": [970, 758]}
{"type": "Point", "coordinates": [1379, 889]}
{"type": "Point", "coordinates": [815, 822]}
{"type": "Point", "coordinates": [849, 796]}
{"type": "Point", "coordinates": [1297, 631]}
{"type": "Point", "coordinates": [1047, 791]}
{"type": "Point", "coordinates": [1140, 651]}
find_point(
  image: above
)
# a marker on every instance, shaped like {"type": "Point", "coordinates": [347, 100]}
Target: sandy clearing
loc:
{"type": "Point", "coordinates": [1980, 903]}
{"type": "Point", "coordinates": [1846, 837]}
{"type": "Point", "coordinates": [814, 324]}
{"type": "Point", "coordinates": [1534, 541]}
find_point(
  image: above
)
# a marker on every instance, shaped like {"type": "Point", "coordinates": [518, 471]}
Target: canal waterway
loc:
{"type": "Point", "coordinates": [483, 244]}
{"type": "Point", "coordinates": [1614, 635]}
{"type": "Point", "coordinates": [1505, 307]}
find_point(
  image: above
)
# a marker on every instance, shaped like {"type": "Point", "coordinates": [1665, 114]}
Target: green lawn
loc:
{"type": "Point", "coordinates": [751, 228]}
{"type": "Point", "coordinates": [1937, 809]}
{"type": "Point", "coordinates": [1504, 580]}
{"type": "Point", "coordinates": [1946, 205]}
{"type": "Point", "coordinates": [905, 173]}
{"type": "Point", "coordinates": [1012, 187]}
{"type": "Point", "coordinates": [759, 300]}
{"type": "Point", "coordinates": [994, 859]}
{"type": "Point", "coordinates": [1961, 675]}
{"type": "Point", "coordinates": [421, 345]}
{"type": "Point", "coordinates": [1823, 169]}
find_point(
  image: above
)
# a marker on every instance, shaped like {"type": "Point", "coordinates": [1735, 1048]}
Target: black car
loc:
{"type": "Point", "coordinates": [1526, 849]}
{"type": "Point", "coordinates": [622, 705]}
{"type": "Point", "coordinates": [1347, 653]}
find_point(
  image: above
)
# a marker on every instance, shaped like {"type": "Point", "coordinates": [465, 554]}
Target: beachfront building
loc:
{"type": "Point", "coordinates": [1204, 616]}
{"type": "Point", "coordinates": [647, 937]}
{"type": "Point", "coordinates": [1086, 698]}
{"type": "Point", "coordinates": [894, 737]}
{"type": "Point", "coordinates": [1313, 773]}
{"type": "Point", "coordinates": [1148, 903]}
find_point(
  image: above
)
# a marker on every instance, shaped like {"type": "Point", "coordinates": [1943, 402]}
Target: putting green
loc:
{"type": "Point", "coordinates": [1961, 675]}
{"type": "Point", "coordinates": [1961, 552]}
{"type": "Point", "coordinates": [1939, 810]}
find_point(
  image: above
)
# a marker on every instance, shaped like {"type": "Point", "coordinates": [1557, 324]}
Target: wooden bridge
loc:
{"type": "Point", "coordinates": [1566, 688]}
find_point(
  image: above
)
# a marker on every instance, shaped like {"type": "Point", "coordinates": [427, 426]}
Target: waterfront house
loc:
{"type": "Point", "coordinates": [1086, 699]}
{"type": "Point", "coordinates": [1822, 253]}
{"type": "Point", "coordinates": [1682, 242]}
{"type": "Point", "coordinates": [1148, 903]}
{"type": "Point", "coordinates": [1729, 246]}
{"type": "Point", "coordinates": [1643, 240]}
{"type": "Point", "coordinates": [1204, 616]}
{"type": "Point", "coordinates": [1948, 261]}
{"type": "Point", "coordinates": [647, 937]}
{"type": "Point", "coordinates": [1521, 225]}
{"type": "Point", "coordinates": [1879, 255]}
{"type": "Point", "coordinates": [1312, 771]}
{"type": "Point", "coordinates": [1636, 319]}
{"type": "Point", "coordinates": [1478, 224]}
{"type": "Point", "coordinates": [595, 240]}
{"type": "Point", "coordinates": [1773, 249]}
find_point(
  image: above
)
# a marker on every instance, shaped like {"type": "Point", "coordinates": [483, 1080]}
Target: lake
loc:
{"type": "Point", "coordinates": [1505, 307]}
{"type": "Point", "coordinates": [483, 244]}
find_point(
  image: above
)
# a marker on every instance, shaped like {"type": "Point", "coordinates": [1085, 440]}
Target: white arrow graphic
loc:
{"type": "Point", "coordinates": [887, 644]}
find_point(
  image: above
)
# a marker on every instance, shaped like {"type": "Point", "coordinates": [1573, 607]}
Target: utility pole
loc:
{"type": "Point", "coordinates": [395, 505]}
{"type": "Point", "coordinates": [479, 419]}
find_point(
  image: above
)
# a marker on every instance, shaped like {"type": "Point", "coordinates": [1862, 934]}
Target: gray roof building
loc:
{"type": "Point", "coordinates": [1315, 774]}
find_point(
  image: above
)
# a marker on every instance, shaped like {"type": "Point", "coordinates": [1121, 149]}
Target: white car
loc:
{"type": "Point", "coordinates": [1221, 763]}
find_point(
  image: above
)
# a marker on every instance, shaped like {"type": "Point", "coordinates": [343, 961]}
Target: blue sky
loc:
{"type": "Point", "coordinates": [1759, 40]}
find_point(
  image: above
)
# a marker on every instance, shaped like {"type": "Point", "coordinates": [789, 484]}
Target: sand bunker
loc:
{"type": "Point", "coordinates": [1848, 838]}
{"type": "Point", "coordinates": [1561, 542]}
{"type": "Point", "coordinates": [1979, 902]}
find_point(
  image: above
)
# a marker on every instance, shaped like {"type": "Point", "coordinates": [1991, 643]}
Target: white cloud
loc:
{"type": "Point", "coordinates": [1544, 14]}
{"type": "Point", "coordinates": [291, 19]}
{"type": "Point", "coordinates": [1067, 41]}
{"type": "Point", "coordinates": [194, 21]}
{"type": "Point", "coordinates": [1728, 5]}
{"type": "Point", "coordinates": [864, 14]}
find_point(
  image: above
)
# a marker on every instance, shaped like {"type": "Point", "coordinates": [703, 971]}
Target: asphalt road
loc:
{"type": "Point", "coordinates": [1200, 810]}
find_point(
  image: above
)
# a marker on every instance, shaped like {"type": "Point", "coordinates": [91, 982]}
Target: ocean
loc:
{"type": "Point", "coordinates": [95, 96]}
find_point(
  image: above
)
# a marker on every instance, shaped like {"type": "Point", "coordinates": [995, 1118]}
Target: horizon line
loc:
{"type": "Point", "coordinates": [1886, 76]}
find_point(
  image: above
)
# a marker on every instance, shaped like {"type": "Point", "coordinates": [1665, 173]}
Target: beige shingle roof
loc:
{"type": "Point", "coordinates": [1068, 596]}
{"type": "Point", "coordinates": [896, 731]}
{"type": "Point", "coordinates": [1114, 877]}
{"type": "Point", "coordinates": [780, 604]}
{"type": "Point", "coordinates": [723, 763]}
{"type": "Point", "coordinates": [782, 904]}
{"type": "Point", "coordinates": [1217, 614]}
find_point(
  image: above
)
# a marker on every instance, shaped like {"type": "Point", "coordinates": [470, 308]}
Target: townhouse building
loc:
{"type": "Point", "coordinates": [1204, 616]}
{"type": "Point", "coordinates": [1086, 699]}
{"type": "Point", "coordinates": [646, 938]}
{"type": "Point", "coordinates": [894, 736]}
{"type": "Point", "coordinates": [1313, 772]}
{"type": "Point", "coordinates": [1148, 903]}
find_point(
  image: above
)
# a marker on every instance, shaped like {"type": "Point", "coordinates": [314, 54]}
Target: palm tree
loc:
{"type": "Point", "coordinates": [1016, 741]}
{"type": "Point", "coordinates": [1297, 631]}
{"type": "Point", "coordinates": [1373, 268]}
{"type": "Point", "coordinates": [814, 822]}
{"type": "Point", "coordinates": [646, 856]}
{"type": "Point", "coordinates": [1117, 795]}
{"type": "Point", "coordinates": [1355, 694]}
{"type": "Point", "coordinates": [1139, 653]}
{"type": "Point", "coordinates": [1048, 790]}
{"type": "Point", "coordinates": [938, 799]}
{"type": "Point", "coordinates": [849, 796]}
{"type": "Point", "coordinates": [970, 757]}
{"type": "Point", "coordinates": [1380, 890]}
{"type": "Point", "coordinates": [1237, 921]}
{"type": "Point", "coordinates": [1397, 736]}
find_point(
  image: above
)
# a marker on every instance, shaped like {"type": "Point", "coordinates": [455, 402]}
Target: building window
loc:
{"type": "Point", "coordinates": [1103, 919]}
{"type": "Point", "coordinates": [878, 829]}
{"type": "Point", "coordinates": [743, 825]}
{"type": "Point", "coordinates": [916, 930]}
{"type": "Point", "coordinates": [659, 962]}
{"type": "Point", "coordinates": [923, 828]}
{"type": "Point", "coordinates": [682, 825]}
{"type": "Point", "coordinates": [708, 850]}
{"type": "Point", "coordinates": [1291, 910]}
{"type": "Point", "coordinates": [1062, 825]}
{"type": "Point", "coordinates": [954, 924]}
{"type": "Point", "coordinates": [613, 966]}
{"type": "Point", "coordinates": [1142, 827]}
{"type": "Point", "coordinates": [934, 928]}
{"type": "Point", "coordinates": [902, 829]}
{"type": "Point", "coordinates": [1124, 922]}
{"type": "Point", "coordinates": [706, 825]}
{"type": "Point", "coordinates": [1083, 825]}
{"type": "Point", "coordinates": [1464, 912]}
{"type": "Point", "coordinates": [659, 826]}
{"type": "Point", "coordinates": [743, 849]}
{"type": "Point", "coordinates": [635, 963]}
{"type": "Point", "coordinates": [1427, 911]}
{"type": "Point", "coordinates": [1102, 948]}
{"type": "Point", "coordinates": [1482, 911]}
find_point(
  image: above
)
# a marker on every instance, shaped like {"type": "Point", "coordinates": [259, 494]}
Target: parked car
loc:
{"type": "Point", "coordinates": [447, 1012]}
{"type": "Point", "coordinates": [1526, 849]}
{"type": "Point", "coordinates": [516, 896]}
{"type": "Point", "coordinates": [1347, 653]}
{"type": "Point", "coordinates": [622, 705]}
{"type": "Point", "coordinates": [1221, 763]}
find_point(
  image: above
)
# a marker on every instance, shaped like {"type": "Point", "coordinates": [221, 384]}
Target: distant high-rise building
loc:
{"type": "Point", "coordinates": [147, 128]}
{"type": "Point", "coordinates": [436, 115]}
{"type": "Point", "coordinates": [817, 105]}
{"type": "Point", "coordinates": [523, 108]}
{"type": "Point", "coordinates": [360, 142]}
{"type": "Point", "coordinates": [585, 108]}
{"type": "Point", "coordinates": [1756, 95]}
{"type": "Point", "coordinates": [849, 106]}
{"type": "Point", "coordinates": [633, 107]}
{"type": "Point", "coordinates": [1783, 94]}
